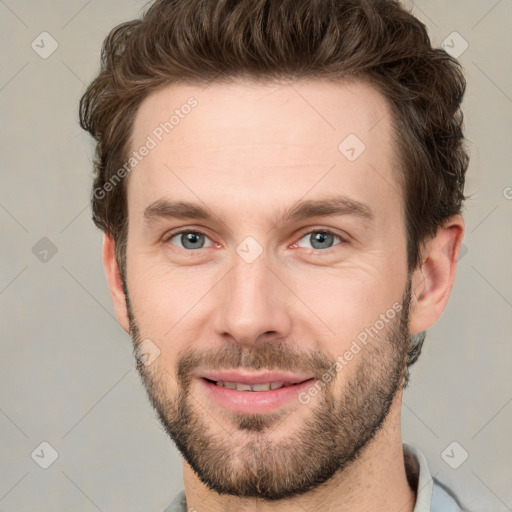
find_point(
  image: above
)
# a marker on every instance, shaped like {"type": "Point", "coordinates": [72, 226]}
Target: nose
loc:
{"type": "Point", "coordinates": [252, 303]}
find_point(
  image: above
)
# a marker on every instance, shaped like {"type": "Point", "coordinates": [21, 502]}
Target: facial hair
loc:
{"type": "Point", "coordinates": [342, 419]}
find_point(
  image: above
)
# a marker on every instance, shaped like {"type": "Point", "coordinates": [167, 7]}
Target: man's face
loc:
{"type": "Point", "coordinates": [255, 289]}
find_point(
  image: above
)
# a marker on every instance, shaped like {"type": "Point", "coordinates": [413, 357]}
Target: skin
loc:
{"type": "Point", "coordinates": [247, 152]}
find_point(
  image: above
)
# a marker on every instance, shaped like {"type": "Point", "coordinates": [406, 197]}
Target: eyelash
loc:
{"type": "Point", "coordinates": [170, 236]}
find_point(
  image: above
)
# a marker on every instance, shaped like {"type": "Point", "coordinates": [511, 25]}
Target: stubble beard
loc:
{"type": "Point", "coordinates": [238, 455]}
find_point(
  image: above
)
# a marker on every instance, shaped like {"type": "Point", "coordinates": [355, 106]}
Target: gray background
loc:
{"type": "Point", "coordinates": [67, 373]}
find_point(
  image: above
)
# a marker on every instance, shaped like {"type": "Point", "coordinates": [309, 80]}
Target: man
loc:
{"type": "Point", "coordinates": [280, 185]}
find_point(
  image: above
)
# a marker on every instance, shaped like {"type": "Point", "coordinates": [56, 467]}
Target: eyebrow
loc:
{"type": "Point", "coordinates": [301, 210]}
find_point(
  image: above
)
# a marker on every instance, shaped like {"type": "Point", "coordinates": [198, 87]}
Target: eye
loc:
{"type": "Point", "coordinates": [190, 240]}
{"type": "Point", "coordinates": [320, 239]}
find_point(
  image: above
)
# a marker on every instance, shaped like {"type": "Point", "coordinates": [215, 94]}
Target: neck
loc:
{"type": "Point", "coordinates": [376, 481]}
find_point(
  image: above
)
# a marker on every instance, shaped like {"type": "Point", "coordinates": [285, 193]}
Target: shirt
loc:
{"type": "Point", "coordinates": [431, 494]}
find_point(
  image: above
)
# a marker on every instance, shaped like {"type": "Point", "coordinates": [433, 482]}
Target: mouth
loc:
{"type": "Point", "coordinates": [264, 386]}
{"type": "Point", "coordinates": [253, 394]}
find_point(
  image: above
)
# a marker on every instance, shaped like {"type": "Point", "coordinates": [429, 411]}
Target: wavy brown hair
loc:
{"type": "Point", "coordinates": [203, 41]}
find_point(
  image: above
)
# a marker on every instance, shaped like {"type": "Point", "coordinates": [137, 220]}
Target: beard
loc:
{"type": "Point", "coordinates": [245, 459]}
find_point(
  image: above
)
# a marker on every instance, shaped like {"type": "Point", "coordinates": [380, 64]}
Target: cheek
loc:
{"type": "Point", "coordinates": [167, 300]}
{"type": "Point", "coordinates": [346, 300]}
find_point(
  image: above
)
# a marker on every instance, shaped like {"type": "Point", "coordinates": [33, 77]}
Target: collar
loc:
{"type": "Point", "coordinates": [419, 477]}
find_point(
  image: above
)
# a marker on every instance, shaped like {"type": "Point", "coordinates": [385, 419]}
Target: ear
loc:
{"type": "Point", "coordinates": [114, 282]}
{"type": "Point", "coordinates": [432, 281]}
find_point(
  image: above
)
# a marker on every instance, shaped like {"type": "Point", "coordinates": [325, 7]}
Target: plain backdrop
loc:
{"type": "Point", "coordinates": [67, 374]}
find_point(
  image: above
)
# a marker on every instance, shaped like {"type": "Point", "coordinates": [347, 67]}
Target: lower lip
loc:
{"type": "Point", "coordinates": [254, 401]}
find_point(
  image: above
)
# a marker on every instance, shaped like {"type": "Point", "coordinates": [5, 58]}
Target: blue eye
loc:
{"type": "Point", "coordinates": [320, 239]}
{"type": "Point", "coordinates": [190, 239]}
{"type": "Point", "coordinates": [194, 240]}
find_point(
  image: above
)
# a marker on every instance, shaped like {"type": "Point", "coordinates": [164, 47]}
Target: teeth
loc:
{"type": "Point", "coordinates": [261, 387]}
{"type": "Point", "coordinates": [242, 387]}
{"type": "Point", "coordinates": [254, 387]}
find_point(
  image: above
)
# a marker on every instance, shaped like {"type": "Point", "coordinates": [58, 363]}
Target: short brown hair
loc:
{"type": "Point", "coordinates": [203, 41]}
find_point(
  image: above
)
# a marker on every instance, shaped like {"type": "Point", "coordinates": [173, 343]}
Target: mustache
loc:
{"type": "Point", "coordinates": [273, 355]}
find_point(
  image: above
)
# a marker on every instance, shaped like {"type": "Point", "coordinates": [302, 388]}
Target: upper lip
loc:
{"type": "Point", "coordinates": [254, 378]}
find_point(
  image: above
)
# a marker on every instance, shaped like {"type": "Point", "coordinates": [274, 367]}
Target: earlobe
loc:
{"type": "Point", "coordinates": [433, 280]}
{"type": "Point", "coordinates": [114, 281]}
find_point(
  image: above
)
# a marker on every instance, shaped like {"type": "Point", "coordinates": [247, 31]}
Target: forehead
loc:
{"type": "Point", "coordinates": [277, 140]}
